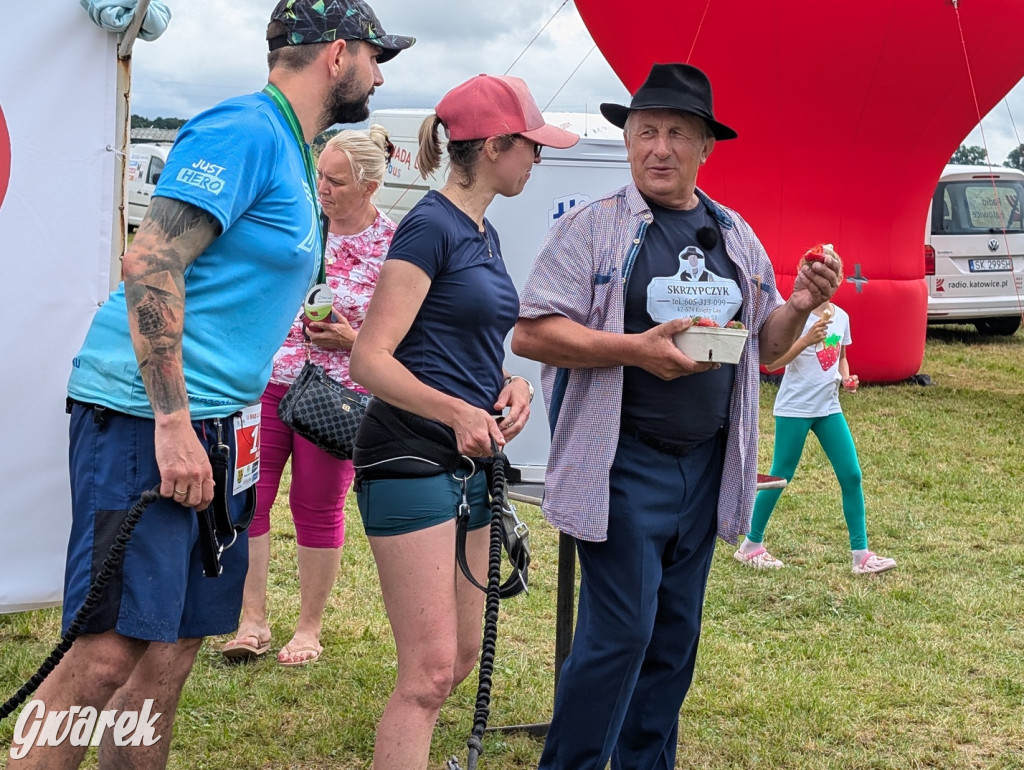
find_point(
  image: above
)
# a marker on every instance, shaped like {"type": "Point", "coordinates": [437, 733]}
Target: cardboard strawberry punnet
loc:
{"type": "Point", "coordinates": [705, 340]}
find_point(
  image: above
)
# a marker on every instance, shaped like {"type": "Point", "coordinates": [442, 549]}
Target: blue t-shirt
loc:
{"type": "Point", "coordinates": [695, 407]}
{"type": "Point", "coordinates": [240, 162]}
{"type": "Point", "coordinates": [456, 341]}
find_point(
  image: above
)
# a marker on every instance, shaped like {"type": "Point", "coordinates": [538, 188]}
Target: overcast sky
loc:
{"type": "Point", "coordinates": [214, 49]}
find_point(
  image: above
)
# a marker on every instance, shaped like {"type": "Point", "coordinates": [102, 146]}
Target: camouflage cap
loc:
{"type": "Point", "coordinates": [302, 22]}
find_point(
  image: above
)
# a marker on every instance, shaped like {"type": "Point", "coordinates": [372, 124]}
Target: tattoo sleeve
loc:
{"type": "Point", "coordinates": [170, 238]}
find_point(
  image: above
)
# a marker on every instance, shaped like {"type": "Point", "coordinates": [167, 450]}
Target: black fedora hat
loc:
{"type": "Point", "coordinates": [680, 87]}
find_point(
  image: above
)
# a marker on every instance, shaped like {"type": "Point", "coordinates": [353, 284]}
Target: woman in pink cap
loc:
{"type": "Point", "coordinates": [431, 351]}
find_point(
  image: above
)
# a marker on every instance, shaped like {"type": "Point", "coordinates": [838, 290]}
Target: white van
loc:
{"type": "Point", "coordinates": [974, 248]}
{"type": "Point", "coordinates": [145, 164]}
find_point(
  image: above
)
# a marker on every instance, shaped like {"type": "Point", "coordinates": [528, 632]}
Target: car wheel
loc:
{"type": "Point", "coordinates": [1002, 327]}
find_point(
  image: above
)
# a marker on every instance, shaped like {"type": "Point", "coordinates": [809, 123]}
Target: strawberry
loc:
{"type": "Point", "coordinates": [817, 254]}
{"type": "Point", "coordinates": [828, 353]}
{"type": "Point", "coordinates": [735, 325]}
{"type": "Point", "coordinates": [702, 321]}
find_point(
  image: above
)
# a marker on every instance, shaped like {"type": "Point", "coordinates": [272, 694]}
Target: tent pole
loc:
{"type": "Point", "coordinates": [122, 142]}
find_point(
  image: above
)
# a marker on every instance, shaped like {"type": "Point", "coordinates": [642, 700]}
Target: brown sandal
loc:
{"type": "Point", "coordinates": [239, 649]}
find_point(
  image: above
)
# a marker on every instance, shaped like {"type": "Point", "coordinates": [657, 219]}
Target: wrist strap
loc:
{"type": "Point", "coordinates": [518, 377]}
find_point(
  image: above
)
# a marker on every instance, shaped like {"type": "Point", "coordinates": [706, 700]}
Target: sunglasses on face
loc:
{"type": "Point", "coordinates": [516, 138]}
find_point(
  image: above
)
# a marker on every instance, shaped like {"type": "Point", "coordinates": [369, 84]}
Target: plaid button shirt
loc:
{"type": "Point", "coordinates": [581, 274]}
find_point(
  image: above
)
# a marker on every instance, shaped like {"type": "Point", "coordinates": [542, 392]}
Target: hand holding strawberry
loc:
{"type": "Point", "coordinates": [818, 275]}
{"type": "Point", "coordinates": [850, 383]}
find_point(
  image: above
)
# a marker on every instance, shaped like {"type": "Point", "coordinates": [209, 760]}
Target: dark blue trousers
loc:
{"type": "Point", "coordinates": [640, 605]}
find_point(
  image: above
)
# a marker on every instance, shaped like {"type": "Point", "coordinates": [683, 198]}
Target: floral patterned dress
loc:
{"type": "Point", "coordinates": [352, 265]}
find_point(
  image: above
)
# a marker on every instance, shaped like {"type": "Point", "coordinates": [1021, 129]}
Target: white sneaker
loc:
{"type": "Point", "coordinates": [759, 558]}
{"type": "Point", "coordinates": [873, 563]}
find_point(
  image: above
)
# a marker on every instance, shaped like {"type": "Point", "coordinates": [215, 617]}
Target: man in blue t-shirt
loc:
{"type": "Point", "coordinates": [173, 361]}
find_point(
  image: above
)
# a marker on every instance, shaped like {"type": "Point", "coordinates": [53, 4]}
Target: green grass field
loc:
{"type": "Point", "coordinates": [807, 668]}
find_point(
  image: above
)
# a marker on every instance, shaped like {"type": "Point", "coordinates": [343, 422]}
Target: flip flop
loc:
{"type": "Point", "coordinates": [240, 649]}
{"type": "Point", "coordinates": [286, 650]}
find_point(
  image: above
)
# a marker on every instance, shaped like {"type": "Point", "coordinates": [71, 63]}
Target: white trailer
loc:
{"type": "Point", "coordinates": [564, 178]}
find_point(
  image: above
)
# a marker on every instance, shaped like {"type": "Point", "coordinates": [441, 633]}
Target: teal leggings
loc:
{"type": "Point", "coordinates": [834, 435]}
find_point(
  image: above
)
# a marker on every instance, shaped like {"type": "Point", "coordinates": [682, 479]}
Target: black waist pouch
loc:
{"type": "Point", "coordinates": [395, 444]}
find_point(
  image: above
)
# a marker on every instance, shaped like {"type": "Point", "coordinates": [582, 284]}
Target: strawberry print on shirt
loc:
{"type": "Point", "coordinates": [828, 351]}
{"type": "Point", "coordinates": [810, 386]}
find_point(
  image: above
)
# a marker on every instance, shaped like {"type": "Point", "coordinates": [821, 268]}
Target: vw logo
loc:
{"type": "Point", "coordinates": [993, 245]}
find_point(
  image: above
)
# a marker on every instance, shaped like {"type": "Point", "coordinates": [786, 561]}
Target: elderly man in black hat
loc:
{"type": "Point", "coordinates": [162, 386]}
{"type": "Point", "coordinates": [651, 452]}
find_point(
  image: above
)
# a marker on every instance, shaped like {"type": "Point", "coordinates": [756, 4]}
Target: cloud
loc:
{"type": "Point", "coordinates": [214, 49]}
{"type": "Point", "coordinates": [1003, 128]}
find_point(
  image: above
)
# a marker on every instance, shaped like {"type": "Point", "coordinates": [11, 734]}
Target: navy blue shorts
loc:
{"type": "Point", "coordinates": [161, 593]}
{"type": "Point", "coordinates": [400, 506]}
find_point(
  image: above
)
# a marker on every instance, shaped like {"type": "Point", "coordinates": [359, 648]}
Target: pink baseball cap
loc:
{"type": "Point", "coordinates": [493, 105]}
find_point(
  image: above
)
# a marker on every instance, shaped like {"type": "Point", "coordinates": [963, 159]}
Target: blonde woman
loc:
{"type": "Point", "coordinates": [349, 172]}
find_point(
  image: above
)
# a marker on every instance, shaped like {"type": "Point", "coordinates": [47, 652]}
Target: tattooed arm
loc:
{"type": "Point", "coordinates": [169, 239]}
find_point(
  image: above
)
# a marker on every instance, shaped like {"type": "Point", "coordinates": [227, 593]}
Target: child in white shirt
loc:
{"type": "Point", "coordinates": [808, 400]}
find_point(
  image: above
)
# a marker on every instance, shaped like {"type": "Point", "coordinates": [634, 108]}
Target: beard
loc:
{"type": "Point", "coordinates": [347, 102]}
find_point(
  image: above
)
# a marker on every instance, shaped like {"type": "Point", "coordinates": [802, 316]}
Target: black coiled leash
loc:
{"type": "Point", "coordinates": [512, 535]}
{"type": "Point", "coordinates": [110, 567]}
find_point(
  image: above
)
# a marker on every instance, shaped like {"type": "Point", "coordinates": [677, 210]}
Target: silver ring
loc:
{"type": "Point", "coordinates": [472, 469]}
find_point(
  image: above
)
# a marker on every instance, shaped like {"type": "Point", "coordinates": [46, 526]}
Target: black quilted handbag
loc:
{"type": "Point", "coordinates": [323, 411]}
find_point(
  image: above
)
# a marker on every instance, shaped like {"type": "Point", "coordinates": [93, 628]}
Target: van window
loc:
{"type": "Point", "coordinates": [156, 167]}
{"type": "Point", "coordinates": [978, 206]}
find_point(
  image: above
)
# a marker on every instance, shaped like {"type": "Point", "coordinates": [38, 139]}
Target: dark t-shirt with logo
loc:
{"type": "Point", "coordinates": [695, 407]}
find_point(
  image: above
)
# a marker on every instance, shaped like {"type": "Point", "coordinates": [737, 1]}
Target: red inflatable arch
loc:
{"type": "Point", "coordinates": [846, 114]}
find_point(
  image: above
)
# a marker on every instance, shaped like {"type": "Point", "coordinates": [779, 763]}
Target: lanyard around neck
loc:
{"type": "Point", "coordinates": [285, 108]}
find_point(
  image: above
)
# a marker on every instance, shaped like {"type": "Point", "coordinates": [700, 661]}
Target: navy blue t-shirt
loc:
{"type": "Point", "coordinates": [456, 342]}
{"type": "Point", "coordinates": [695, 407]}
